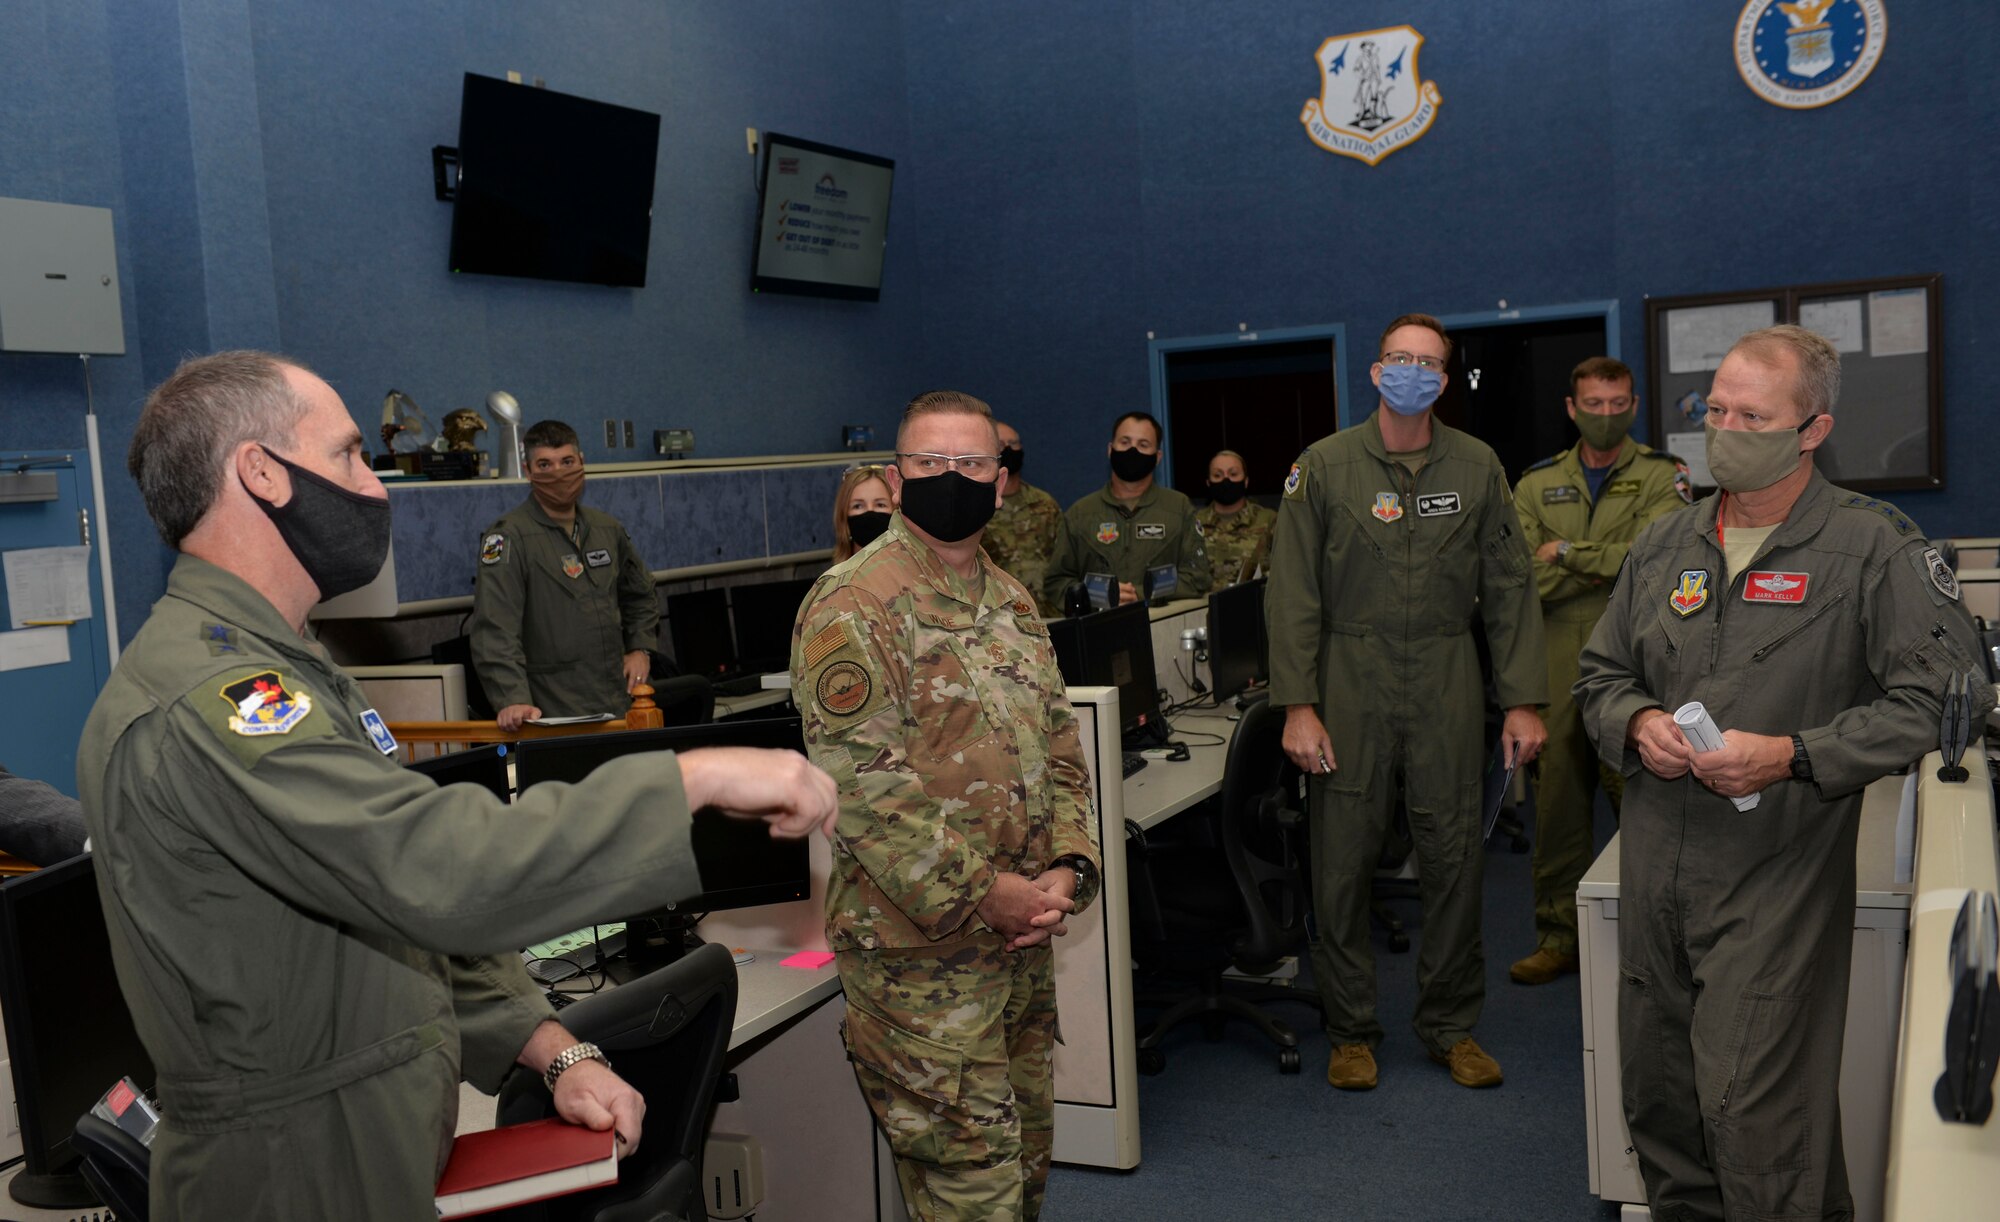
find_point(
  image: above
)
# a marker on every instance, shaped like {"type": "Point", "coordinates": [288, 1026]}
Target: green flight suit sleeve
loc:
{"type": "Point", "coordinates": [499, 601]}
{"type": "Point", "coordinates": [851, 680]}
{"type": "Point", "coordinates": [1917, 641]}
{"type": "Point", "coordinates": [1191, 570]}
{"type": "Point", "coordinates": [1292, 597]}
{"type": "Point", "coordinates": [638, 600]}
{"type": "Point", "coordinates": [340, 830]}
{"type": "Point", "coordinates": [497, 1007]}
{"type": "Point", "coordinates": [1508, 604]}
{"type": "Point", "coordinates": [1553, 582]}
{"type": "Point", "coordinates": [1065, 565]}
{"type": "Point", "coordinates": [1609, 689]}
{"type": "Point", "coordinates": [1603, 559]}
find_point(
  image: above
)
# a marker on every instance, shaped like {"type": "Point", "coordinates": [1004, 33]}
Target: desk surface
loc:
{"type": "Point", "coordinates": [1163, 788]}
{"type": "Point", "coordinates": [730, 706]}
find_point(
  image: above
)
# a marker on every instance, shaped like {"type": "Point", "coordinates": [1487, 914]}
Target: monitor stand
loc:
{"type": "Point", "coordinates": [658, 939]}
{"type": "Point", "coordinates": [62, 1190]}
{"type": "Point", "coordinates": [1153, 734]}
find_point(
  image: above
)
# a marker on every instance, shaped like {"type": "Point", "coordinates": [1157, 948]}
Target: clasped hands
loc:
{"type": "Point", "coordinates": [1744, 764]}
{"type": "Point", "coordinates": [1029, 911]}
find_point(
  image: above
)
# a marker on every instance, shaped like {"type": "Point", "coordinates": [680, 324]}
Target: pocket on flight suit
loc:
{"type": "Point", "coordinates": [951, 714]}
{"type": "Point", "coordinates": [1762, 1119]}
{"type": "Point", "coordinates": [913, 1083]}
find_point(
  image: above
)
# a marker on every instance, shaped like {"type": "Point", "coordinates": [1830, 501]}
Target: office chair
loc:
{"type": "Point", "coordinates": [116, 1165]}
{"type": "Point", "coordinates": [1200, 921]}
{"type": "Point", "coordinates": [684, 700]}
{"type": "Point", "coordinates": [666, 1033]}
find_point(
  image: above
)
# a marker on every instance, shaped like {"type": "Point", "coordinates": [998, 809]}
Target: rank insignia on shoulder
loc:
{"type": "Point", "coordinates": [842, 688]}
{"type": "Point", "coordinates": [220, 638]}
{"type": "Point", "coordinates": [378, 731]}
{"type": "Point", "coordinates": [493, 549]}
{"type": "Point", "coordinates": [1691, 595]}
{"type": "Point", "coordinates": [1943, 579]}
{"type": "Point", "coordinates": [1768, 587]}
{"type": "Point", "coordinates": [264, 705]}
{"type": "Point", "coordinates": [1895, 516]}
{"type": "Point", "coordinates": [1107, 532]}
{"type": "Point", "coordinates": [572, 567]}
{"type": "Point", "coordinates": [1388, 506]}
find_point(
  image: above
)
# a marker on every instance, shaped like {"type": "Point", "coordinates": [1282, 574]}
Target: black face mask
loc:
{"type": "Point", "coordinates": [1133, 465]}
{"type": "Point", "coordinates": [948, 507]}
{"type": "Point", "coordinates": [1010, 460]}
{"type": "Point", "coordinates": [865, 528]}
{"type": "Point", "coordinates": [1226, 491]}
{"type": "Point", "coordinates": [339, 537]}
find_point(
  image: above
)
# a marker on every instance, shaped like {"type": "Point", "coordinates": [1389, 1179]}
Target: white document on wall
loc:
{"type": "Point", "coordinates": [47, 585]}
{"type": "Point", "coordinates": [1698, 337]}
{"type": "Point", "coordinates": [33, 647]}
{"type": "Point", "coordinates": [1692, 449]}
{"type": "Point", "coordinates": [1838, 322]}
{"type": "Point", "coordinates": [1898, 322]}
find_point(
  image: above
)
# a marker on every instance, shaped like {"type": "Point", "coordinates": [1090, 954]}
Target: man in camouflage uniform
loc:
{"type": "Point", "coordinates": [1130, 525]}
{"type": "Point", "coordinates": [1580, 511]}
{"type": "Point", "coordinates": [931, 694]}
{"type": "Point", "coordinates": [1022, 534]}
{"type": "Point", "coordinates": [1236, 529]}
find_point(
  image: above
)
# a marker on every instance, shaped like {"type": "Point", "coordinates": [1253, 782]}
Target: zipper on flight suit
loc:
{"type": "Point", "coordinates": [1793, 631]}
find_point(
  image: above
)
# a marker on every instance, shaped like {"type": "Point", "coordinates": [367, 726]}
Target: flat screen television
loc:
{"type": "Point", "coordinates": [552, 186]}
{"type": "Point", "coordinates": [823, 220]}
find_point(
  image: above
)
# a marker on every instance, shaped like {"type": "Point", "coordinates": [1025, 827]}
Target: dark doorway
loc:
{"type": "Point", "coordinates": [1508, 383]}
{"type": "Point", "coordinates": [1265, 401]}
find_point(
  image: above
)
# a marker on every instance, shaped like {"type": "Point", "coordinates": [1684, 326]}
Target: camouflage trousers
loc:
{"type": "Point", "coordinates": [955, 1053]}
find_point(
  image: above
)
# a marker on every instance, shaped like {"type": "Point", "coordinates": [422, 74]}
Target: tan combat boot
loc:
{"type": "Point", "coordinates": [1542, 967]}
{"type": "Point", "coordinates": [1470, 1066]}
{"type": "Point", "coordinates": [1351, 1067]}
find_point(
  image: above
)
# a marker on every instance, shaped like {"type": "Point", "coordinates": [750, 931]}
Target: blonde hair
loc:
{"type": "Point", "coordinates": [843, 539]}
{"type": "Point", "coordinates": [1817, 387]}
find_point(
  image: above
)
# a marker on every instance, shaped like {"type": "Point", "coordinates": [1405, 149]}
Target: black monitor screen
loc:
{"type": "Point", "coordinates": [552, 186]}
{"type": "Point", "coordinates": [699, 622]}
{"type": "Point", "coordinates": [764, 615]}
{"type": "Point", "coordinates": [68, 1031]}
{"type": "Point", "coordinates": [1238, 656]}
{"type": "Point", "coordinates": [1112, 648]}
{"type": "Point", "coordinates": [486, 766]}
{"type": "Point", "coordinates": [741, 865]}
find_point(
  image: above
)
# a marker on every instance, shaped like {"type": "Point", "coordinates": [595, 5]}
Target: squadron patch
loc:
{"type": "Point", "coordinates": [378, 731]}
{"type": "Point", "coordinates": [572, 567]}
{"type": "Point", "coordinates": [1943, 580]}
{"type": "Point", "coordinates": [842, 688]}
{"type": "Point", "coordinates": [1107, 533]}
{"type": "Point", "coordinates": [598, 559]}
{"type": "Point", "coordinates": [1388, 506]}
{"type": "Point", "coordinates": [493, 549]}
{"type": "Point", "coordinates": [264, 706]}
{"type": "Point", "coordinates": [1682, 484]}
{"type": "Point", "coordinates": [1152, 530]}
{"type": "Point", "coordinates": [1691, 595]}
{"type": "Point", "coordinates": [1293, 480]}
{"type": "Point", "coordinates": [1437, 504]}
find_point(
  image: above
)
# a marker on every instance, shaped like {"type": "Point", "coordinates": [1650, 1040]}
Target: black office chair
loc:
{"type": "Point", "coordinates": [684, 700]}
{"type": "Point", "coordinates": [115, 1165]}
{"type": "Point", "coordinates": [458, 649]}
{"type": "Point", "coordinates": [666, 1033]}
{"type": "Point", "coordinates": [1195, 920]}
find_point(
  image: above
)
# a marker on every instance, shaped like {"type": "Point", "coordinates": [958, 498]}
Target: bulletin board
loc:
{"type": "Point", "coordinates": [1888, 424]}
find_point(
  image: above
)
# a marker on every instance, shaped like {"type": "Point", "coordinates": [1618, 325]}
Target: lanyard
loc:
{"type": "Point", "coordinates": [1721, 503]}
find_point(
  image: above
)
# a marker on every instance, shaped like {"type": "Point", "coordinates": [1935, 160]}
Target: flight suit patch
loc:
{"type": "Point", "coordinates": [829, 638]}
{"type": "Point", "coordinates": [1388, 506]}
{"type": "Point", "coordinates": [1563, 495]}
{"type": "Point", "coordinates": [493, 549]}
{"type": "Point", "coordinates": [378, 731]}
{"type": "Point", "coordinates": [220, 638]}
{"type": "Point", "coordinates": [1682, 484]}
{"type": "Point", "coordinates": [1622, 487]}
{"type": "Point", "coordinates": [1437, 504]}
{"type": "Point", "coordinates": [572, 567]}
{"type": "Point", "coordinates": [1107, 533]}
{"type": "Point", "coordinates": [1765, 586]}
{"type": "Point", "coordinates": [1943, 581]}
{"type": "Point", "coordinates": [842, 688]}
{"type": "Point", "coordinates": [598, 559]}
{"type": "Point", "coordinates": [264, 705]}
{"type": "Point", "coordinates": [1691, 595]}
{"type": "Point", "coordinates": [1295, 480]}
{"type": "Point", "coordinates": [1152, 530]}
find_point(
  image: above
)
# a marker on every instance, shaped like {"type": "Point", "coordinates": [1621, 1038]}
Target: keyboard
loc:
{"type": "Point", "coordinates": [559, 1000]}
{"type": "Point", "coordinates": [1133, 762]}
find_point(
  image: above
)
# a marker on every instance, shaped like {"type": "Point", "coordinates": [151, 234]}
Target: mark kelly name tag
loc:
{"type": "Point", "coordinates": [1767, 586]}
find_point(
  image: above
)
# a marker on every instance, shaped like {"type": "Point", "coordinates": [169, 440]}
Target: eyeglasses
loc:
{"type": "Point", "coordinates": [1433, 363]}
{"type": "Point", "coordinates": [981, 467]}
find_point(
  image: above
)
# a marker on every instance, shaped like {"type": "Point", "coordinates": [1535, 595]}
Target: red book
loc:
{"type": "Point", "coordinates": [522, 1163]}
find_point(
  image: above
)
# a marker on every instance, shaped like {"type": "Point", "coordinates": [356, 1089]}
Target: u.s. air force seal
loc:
{"type": "Point", "coordinates": [842, 688]}
{"type": "Point", "coordinates": [1805, 53]}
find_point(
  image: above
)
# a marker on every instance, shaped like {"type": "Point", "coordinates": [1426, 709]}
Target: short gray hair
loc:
{"type": "Point", "coordinates": [195, 419]}
{"type": "Point", "coordinates": [1818, 386]}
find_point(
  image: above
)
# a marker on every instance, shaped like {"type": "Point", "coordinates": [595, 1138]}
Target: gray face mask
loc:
{"type": "Point", "coordinates": [1743, 461]}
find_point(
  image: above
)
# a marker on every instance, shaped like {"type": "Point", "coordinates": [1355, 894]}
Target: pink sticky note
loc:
{"type": "Point", "coordinates": [809, 960]}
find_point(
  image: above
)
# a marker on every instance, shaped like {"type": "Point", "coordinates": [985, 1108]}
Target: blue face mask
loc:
{"type": "Point", "coordinates": [1410, 389]}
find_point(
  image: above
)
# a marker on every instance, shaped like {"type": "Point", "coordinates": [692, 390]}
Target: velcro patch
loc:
{"type": "Point", "coordinates": [598, 559]}
{"type": "Point", "coordinates": [1437, 504]}
{"type": "Point", "coordinates": [264, 705]}
{"type": "Point", "coordinates": [1294, 481]}
{"type": "Point", "coordinates": [843, 688]}
{"type": "Point", "coordinates": [493, 549]}
{"type": "Point", "coordinates": [1943, 581]}
{"type": "Point", "coordinates": [1561, 495]}
{"type": "Point", "coordinates": [1152, 530]}
{"type": "Point", "coordinates": [255, 710]}
{"type": "Point", "coordinates": [1622, 487]}
{"type": "Point", "coordinates": [378, 731]}
{"type": "Point", "coordinates": [1766, 586]}
{"type": "Point", "coordinates": [830, 638]}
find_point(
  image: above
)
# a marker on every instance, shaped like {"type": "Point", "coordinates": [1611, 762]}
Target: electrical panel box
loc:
{"type": "Point", "coordinates": [59, 280]}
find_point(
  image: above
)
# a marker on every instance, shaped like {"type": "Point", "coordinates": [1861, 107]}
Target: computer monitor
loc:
{"type": "Point", "coordinates": [1113, 648]}
{"type": "Point", "coordinates": [763, 615]}
{"type": "Point", "coordinates": [485, 766]}
{"type": "Point", "coordinates": [69, 1033]}
{"type": "Point", "coordinates": [699, 622]}
{"type": "Point", "coordinates": [741, 865]}
{"type": "Point", "coordinates": [1238, 651]}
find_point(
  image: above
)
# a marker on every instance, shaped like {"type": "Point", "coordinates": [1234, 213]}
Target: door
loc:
{"type": "Point", "coordinates": [1266, 401]}
{"type": "Point", "coordinates": [47, 700]}
{"type": "Point", "coordinates": [1508, 382]}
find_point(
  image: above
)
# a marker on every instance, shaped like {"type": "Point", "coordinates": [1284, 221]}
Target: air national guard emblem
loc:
{"type": "Point", "coordinates": [572, 567]}
{"type": "Point", "coordinates": [1805, 53]}
{"type": "Point", "coordinates": [1388, 506]}
{"type": "Point", "coordinates": [1371, 101]}
{"type": "Point", "coordinates": [1692, 593]}
{"type": "Point", "coordinates": [1107, 533]}
{"type": "Point", "coordinates": [263, 706]}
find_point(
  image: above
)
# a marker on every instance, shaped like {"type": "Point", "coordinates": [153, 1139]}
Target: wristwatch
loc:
{"type": "Point", "coordinates": [1562, 552]}
{"type": "Point", "coordinates": [572, 1055]}
{"type": "Point", "coordinates": [1086, 873]}
{"type": "Point", "coordinates": [1801, 763]}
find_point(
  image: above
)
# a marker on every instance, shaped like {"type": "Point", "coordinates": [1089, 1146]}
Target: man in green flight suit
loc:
{"type": "Point", "coordinates": [1236, 529]}
{"type": "Point", "coordinates": [1130, 527]}
{"type": "Point", "coordinates": [1820, 630]}
{"type": "Point", "coordinates": [1580, 511]}
{"type": "Point", "coordinates": [1392, 537]}
{"type": "Point", "coordinates": [1022, 535]}
{"type": "Point", "coordinates": [564, 613]}
{"type": "Point", "coordinates": [930, 691]}
{"type": "Point", "coordinates": [317, 944]}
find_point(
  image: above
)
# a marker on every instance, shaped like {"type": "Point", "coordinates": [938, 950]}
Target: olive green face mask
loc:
{"type": "Point", "coordinates": [1605, 432]}
{"type": "Point", "coordinates": [1743, 461]}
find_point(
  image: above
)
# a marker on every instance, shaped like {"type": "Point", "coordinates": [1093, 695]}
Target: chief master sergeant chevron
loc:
{"type": "Point", "coordinates": [1820, 629]}
{"type": "Point", "coordinates": [315, 943]}
{"type": "Point", "coordinates": [1392, 536]}
{"type": "Point", "coordinates": [930, 692]}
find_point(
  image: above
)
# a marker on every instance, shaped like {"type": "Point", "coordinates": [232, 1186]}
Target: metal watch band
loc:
{"type": "Point", "coordinates": [572, 1055]}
